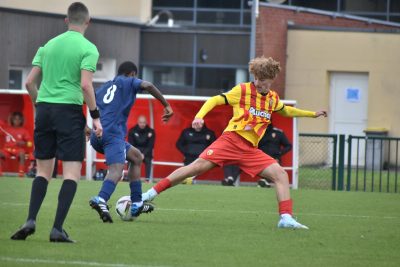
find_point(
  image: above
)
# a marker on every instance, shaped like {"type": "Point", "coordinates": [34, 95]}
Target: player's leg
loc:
{"type": "Point", "coordinates": [69, 124]}
{"type": "Point", "coordinates": [134, 158]}
{"type": "Point", "coordinates": [99, 202]}
{"type": "Point", "coordinates": [197, 167]}
{"type": "Point", "coordinates": [45, 150]}
{"type": "Point", "coordinates": [115, 153]}
{"type": "Point", "coordinates": [21, 167]}
{"type": "Point", "coordinates": [71, 175]}
{"type": "Point", "coordinates": [279, 176]}
{"type": "Point", "coordinates": [2, 158]}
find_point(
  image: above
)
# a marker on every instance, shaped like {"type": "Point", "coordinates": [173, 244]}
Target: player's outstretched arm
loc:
{"type": "Point", "coordinates": [209, 105]}
{"type": "Point", "coordinates": [149, 87]}
{"type": "Point", "coordinates": [288, 111]}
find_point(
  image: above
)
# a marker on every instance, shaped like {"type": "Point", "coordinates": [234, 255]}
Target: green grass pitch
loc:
{"type": "Point", "coordinates": [206, 225]}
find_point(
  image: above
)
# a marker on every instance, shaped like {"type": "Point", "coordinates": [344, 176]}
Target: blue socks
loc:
{"type": "Point", "coordinates": [136, 191]}
{"type": "Point", "coordinates": [107, 189]}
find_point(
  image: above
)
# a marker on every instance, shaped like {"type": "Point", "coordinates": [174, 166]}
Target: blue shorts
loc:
{"type": "Point", "coordinates": [113, 148]}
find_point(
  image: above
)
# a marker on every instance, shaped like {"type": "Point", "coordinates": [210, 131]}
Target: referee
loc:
{"type": "Point", "coordinates": [64, 68]}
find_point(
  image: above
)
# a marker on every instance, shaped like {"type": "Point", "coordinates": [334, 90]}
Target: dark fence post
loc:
{"type": "Point", "coordinates": [341, 162]}
{"type": "Point", "coordinates": [334, 157]}
{"type": "Point", "coordinates": [349, 144]}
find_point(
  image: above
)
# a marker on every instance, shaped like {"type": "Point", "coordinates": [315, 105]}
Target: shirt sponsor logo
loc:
{"type": "Point", "coordinates": [259, 113]}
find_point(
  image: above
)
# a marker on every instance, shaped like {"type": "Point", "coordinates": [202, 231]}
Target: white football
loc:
{"type": "Point", "coordinates": [123, 208]}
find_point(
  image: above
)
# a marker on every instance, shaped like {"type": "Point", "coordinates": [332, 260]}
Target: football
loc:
{"type": "Point", "coordinates": [123, 208]}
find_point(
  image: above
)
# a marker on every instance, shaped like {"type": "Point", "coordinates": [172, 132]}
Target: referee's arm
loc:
{"type": "Point", "coordinates": [32, 82]}
{"type": "Point", "coordinates": [87, 88]}
{"type": "Point", "coordinates": [88, 95]}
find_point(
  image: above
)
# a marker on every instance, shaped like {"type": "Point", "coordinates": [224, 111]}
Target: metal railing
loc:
{"type": "Point", "coordinates": [358, 163]}
{"type": "Point", "coordinates": [375, 166]}
{"type": "Point", "coordinates": [317, 169]}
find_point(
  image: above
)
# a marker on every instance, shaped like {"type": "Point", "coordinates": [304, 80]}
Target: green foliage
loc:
{"type": "Point", "coordinates": [205, 225]}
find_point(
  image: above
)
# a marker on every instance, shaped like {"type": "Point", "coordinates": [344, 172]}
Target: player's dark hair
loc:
{"type": "Point", "coordinates": [78, 13]}
{"type": "Point", "coordinates": [126, 68]}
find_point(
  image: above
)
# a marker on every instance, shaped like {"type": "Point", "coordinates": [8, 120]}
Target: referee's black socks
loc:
{"type": "Point", "coordinates": [38, 192]}
{"type": "Point", "coordinates": [65, 197]}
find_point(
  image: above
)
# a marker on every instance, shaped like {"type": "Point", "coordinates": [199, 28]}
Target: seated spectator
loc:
{"type": "Point", "coordinates": [275, 144]}
{"type": "Point", "coordinates": [17, 140]}
{"type": "Point", "coordinates": [142, 137]}
{"type": "Point", "coordinates": [192, 142]}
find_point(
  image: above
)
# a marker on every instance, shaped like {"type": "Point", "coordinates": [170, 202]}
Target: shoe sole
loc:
{"type": "Point", "coordinates": [104, 217]}
{"type": "Point", "coordinates": [149, 210]}
{"type": "Point", "coordinates": [22, 234]}
{"type": "Point", "coordinates": [293, 227]}
{"type": "Point", "coordinates": [60, 240]}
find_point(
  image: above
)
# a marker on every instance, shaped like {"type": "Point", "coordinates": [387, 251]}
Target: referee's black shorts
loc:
{"type": "Point", "coordinates": [59, 131]}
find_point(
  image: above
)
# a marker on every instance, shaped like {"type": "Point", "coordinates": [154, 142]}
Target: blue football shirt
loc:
{"type": "Point", "coordinates": [115, 99]}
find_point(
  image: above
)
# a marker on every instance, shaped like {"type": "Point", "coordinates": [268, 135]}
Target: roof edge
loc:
{"type": "Point", "coordinates": [57, 15]}
{"type": "Point", "coordinates": [331, 14]}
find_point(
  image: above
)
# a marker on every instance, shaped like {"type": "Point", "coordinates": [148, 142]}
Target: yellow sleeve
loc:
{"type": "Point", "coordinates": [209, 105]}
{"type": "Point", "coordinates": [288, 111]}
{"type": "Point", "coordinates": [233, 96]}
{"type": "Point", "coordinates": [280, 106]}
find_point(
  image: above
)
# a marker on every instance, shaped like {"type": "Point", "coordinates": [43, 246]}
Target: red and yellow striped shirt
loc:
{"type": "Point", "coordinates": [251, 110]}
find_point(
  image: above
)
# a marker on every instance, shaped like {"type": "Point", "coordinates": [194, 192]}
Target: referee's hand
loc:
{"type": "Point", "coordinates": [97, 128]}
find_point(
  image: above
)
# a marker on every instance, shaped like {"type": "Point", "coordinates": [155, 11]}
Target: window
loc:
{"type": "Point", "coordinates": [317, 4]}
{"type": "Point", "coordinates": [395, 6]}
{"type": "Point", "coordinates": [178, 16]}
{"type": "Point", "coordinates": [168, 76]}
{"type": "Point", "coordinates": [211, 81]}
{"type": "Point", "coordinates": [15, 79]}
{"type": "Point", "coordinates": [219, 3]}
{"type": "Point", "coordinates": [218, 17]}
{"type": "Point", "coordinates": [172, 3]}
{"type": "Point", "coordinates": [363, 5]}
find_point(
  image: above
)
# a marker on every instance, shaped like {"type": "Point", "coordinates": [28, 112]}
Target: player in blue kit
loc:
{"type": "Point", "coordinates": [115, 99]}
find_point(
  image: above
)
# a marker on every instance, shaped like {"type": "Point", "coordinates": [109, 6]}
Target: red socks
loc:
{"type": "Point", "coordinates": [162, 185]}
{"type": "Point", "coordinates": [286, 206]}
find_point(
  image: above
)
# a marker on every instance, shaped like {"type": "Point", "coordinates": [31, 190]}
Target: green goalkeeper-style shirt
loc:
{"type": "Point", "coordinates": [61, 60]}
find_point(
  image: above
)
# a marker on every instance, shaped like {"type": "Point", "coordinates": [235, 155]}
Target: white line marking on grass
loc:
{"type": "Point", "coordinates": [13, 204]}
{"type": "Point", "coordinates": [250, 212]}
{"type": "Point", "coordinates": [274, 213]}
{"type": "Point", "coordinates": [82, 263]}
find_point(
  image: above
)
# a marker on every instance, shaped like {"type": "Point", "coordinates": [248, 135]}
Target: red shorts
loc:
{"type": "Point", "coordinates": [232, 149]}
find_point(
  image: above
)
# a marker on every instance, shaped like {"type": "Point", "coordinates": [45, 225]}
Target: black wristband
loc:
{"type": "Point", "coordinates": [95, 114]}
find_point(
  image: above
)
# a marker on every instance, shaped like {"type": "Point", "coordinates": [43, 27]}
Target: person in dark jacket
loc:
{"type": "Point", "coordinates": [275, 144]}
{"type": "Point", "coordinates": [142, 137]}
{"type": "Point", "coordinates": [193, 141]}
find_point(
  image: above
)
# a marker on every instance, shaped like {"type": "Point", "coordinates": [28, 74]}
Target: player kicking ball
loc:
{"type": "Point", "coordinates": [115, 99]}
{"type": "Point", "coordinates": [253, 104]}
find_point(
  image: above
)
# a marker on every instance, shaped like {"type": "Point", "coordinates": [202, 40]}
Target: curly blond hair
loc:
{"type": "Point", "coordinates": [264, 68]}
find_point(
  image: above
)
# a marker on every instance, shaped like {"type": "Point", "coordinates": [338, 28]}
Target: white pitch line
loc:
{"type": "Point", "coordinates": [81, 263]}
{"type": "Point", "coordinates": [275, 213]}
{"type": "Point", "coordinates": [249, 212]}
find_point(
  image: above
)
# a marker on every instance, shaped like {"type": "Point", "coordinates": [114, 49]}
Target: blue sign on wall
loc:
{"type": "Point", "coordinates": [353, 94]}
